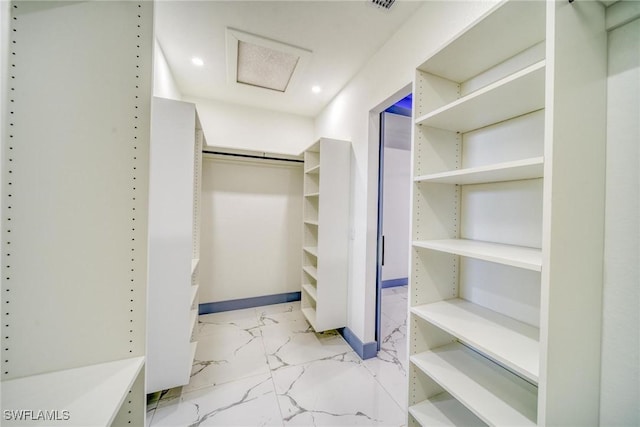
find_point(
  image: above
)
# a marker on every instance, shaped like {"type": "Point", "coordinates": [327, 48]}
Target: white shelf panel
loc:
{"type": "Point", "coordinates": [494, 394]}
{"type": "Point", "coordinates": [311, 290]}
{"type": "Point", "coordinates": [312, 195]}
{"type": "Point", "coordinates": [516, 256]}
{"type": "Point", "coordinates": [311, 222]}
{"type": "Point", "coordinates": [194, 265]}
{"type": "Point", "coordinates": [466, 56]}
{"type": "Point", "coordinates": [515, 95]}
{"type": "Point", "coordinates": [92, 394]}
{"type": "Point", "coordinates": [314, 169]}
{"type": "Point", "coordinates": [312, 271]}
{"type": "Point", "coordinates": [310, 315]}
{"type": "Point", "coordinates": [507, 171]}
{"type": "Point", "coordinates": [512, 343]}
{"type": "Point", "coordinates": [313, 250]}
{"type": "Point", "coordinates": [443, 410]}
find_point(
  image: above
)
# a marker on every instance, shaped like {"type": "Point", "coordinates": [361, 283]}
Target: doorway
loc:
{"type": "Point", "coordinates": [394, 185]}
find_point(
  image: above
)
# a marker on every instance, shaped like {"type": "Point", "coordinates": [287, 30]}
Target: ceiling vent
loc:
{"type": "Point", "coordinates": [386, 4]}
{"type": "Point", "coordinates": [263, 63]}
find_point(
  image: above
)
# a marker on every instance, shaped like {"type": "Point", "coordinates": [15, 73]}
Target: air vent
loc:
{"type": "Point", "coordinates": [386, 4]}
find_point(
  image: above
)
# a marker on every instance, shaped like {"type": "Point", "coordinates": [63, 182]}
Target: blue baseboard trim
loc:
{"type": "Point", "coordinates": [392, 283]}
{"type": "Point", "coordinates": [365, 351]}
{"type": "Point", "coordinates": [239, 304]}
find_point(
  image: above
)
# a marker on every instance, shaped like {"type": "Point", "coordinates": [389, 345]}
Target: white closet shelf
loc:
{"type": "Point", "coordinates": [194, 265]}
{"type": "Point", "coordinates": [515, 95]}
{"type": "Point", "coordinates": [512, 343]}
{"type": "Point", "coordinates": [443, 410]}
{"type": "Point", "coordinates": [516, 256]}
{"type": "Point", "coordinates": [313, 250]}
{"type": "Point", "coordinates": [92, 394]}
{"type": "Point", "coordinates": [310, 314]}
{"type": "Point", "coordinates": [311, 290]}
{"type": "Point", "coordinates": [312, 195]}
{"type": "Point", "coordinates": [499, 172]}
{"type": "Point", "coordinates": [311, 271]}
{"type": "Point", "coordinates": [314, 169]}
{"type": "Point", "coordinates": [494, 394]}
{"type": "Point", "coordinates": [311, 222]}
{"type": "Point", "coordinates": [466, 56]}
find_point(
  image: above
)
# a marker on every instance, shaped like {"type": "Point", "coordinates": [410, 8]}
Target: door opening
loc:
{"type": "Point", "coordinates": [394, 185]}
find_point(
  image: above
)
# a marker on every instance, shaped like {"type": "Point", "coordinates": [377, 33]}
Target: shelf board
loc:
{"type": "Point", "coordinates": [517, 94]}
{"type": "Point", "coordinates": [311, 290]}
{"type": "Point", "coordinates": [194, 265]}
{"type": "Point", "coordinates": [92, 394]}
{"type": "Point", "coordinates": [311, 271]}
{"type": "Point", "coordinates": [313, 169]}
{"type": "Point", "coordinates": [313, 250]}
{"type": "Point", "coordinates": [310, 315]}
{"type": "Point", "coordinates": [507, 171]}
{"type": "Point", "coordinates": [311, 222]}
{"type": "Point", "coordinates": [465, 56]}
{"type": "Point", "coordinates": [516, 256]}
{"type": "Point", "coordinates": [312, 195]}
{"type": "Point", "coordinates": [511, 343]}
{"type": "Point", "coordinates": [443, 410]}
{"type": "Point", "coordinates": [492, 393]}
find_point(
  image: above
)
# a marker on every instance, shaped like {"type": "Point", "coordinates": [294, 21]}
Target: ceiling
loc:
{"type": "Point", "coordinates": [341, 35]}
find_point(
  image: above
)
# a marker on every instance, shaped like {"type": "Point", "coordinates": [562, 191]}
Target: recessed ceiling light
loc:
{"type": "Point", "coordinates": [316, 89]}
{"type": "Point", "coordinates": [197, 61]}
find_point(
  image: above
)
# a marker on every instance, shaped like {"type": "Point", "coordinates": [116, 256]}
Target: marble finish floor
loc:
{"type": "Point", "coordinates": [266, 366]}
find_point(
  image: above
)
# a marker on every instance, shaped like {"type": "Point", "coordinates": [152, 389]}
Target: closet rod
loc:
{"type": "Point", "coordinates": [252, 156]}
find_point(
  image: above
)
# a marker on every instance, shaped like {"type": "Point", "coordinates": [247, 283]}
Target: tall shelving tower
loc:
{"type": "Point", "coordinates": [75, 188]}
{"type": "Point", "coordinates": [507, 220]}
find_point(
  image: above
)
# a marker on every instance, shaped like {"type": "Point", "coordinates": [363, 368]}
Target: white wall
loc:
{"type": "Point", "coordinates": [347, 117]}
{"type": "Point", "coordinates": [164, 85]}
{"type": "Point", "coordinates": [397, 193]}
{"type": "Point", "coordinates": [248, 128]}
{"type": "Point", "coordinates": [251, 228]}
{"type": "Point", "coordinates": [620, 396]}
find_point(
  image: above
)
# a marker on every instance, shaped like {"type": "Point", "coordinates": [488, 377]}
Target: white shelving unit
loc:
{"type": "Point", "coordinates": [75, 191]}
{"type": "Point", "coordinates": [507, 220]}
{"type": "Point", "coordinates": [326, 233]}
{"type": "Point", "coordinates": [174, 254]}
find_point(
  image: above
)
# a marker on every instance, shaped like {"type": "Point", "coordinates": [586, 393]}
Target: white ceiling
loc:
{"type": "Point", "coordinates": [342, 36]}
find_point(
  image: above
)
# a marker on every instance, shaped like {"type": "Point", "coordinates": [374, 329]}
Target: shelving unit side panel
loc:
{"type": "Point", "coordinates": [333, 234]}
{"type": "Point", "coordinates": [197, 191]}
{"type": "Point", "coordinates": [574, 213]}
{"type": "Point", "coordinates": [436, 150]}
{"type": "Point", "coordinates": [434, 276]}
{"type": "Point", "coordinates": [76, 185]}
{"type": "Point", "coordinates": [172, 201]}
{"type": "Point", "coordinates": [519, 138]}
{"type": "Point", "coordinates": [432, 92]}
{"type": "Point", "coordinates": [421, 387]}
{"type": "Point", "coordinates": [134, 407]}
{"type": "Point", "coordinates": [505, 212]}
{"type": "Point", "coordinates": [436, 211]}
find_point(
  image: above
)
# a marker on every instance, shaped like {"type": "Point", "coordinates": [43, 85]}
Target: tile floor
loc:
{"type": "Point", "coordinates": [266, 367]}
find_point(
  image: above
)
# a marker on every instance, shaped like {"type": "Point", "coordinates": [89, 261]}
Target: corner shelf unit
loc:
{"type": "Point", "coordinates": [325, 234]}
{"type": "Point", "coordinates": [505, 186]}
{"type": "Point", "coordinates": [74, 212]}
{"type": "Point", "coordinates": [174, 248]}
